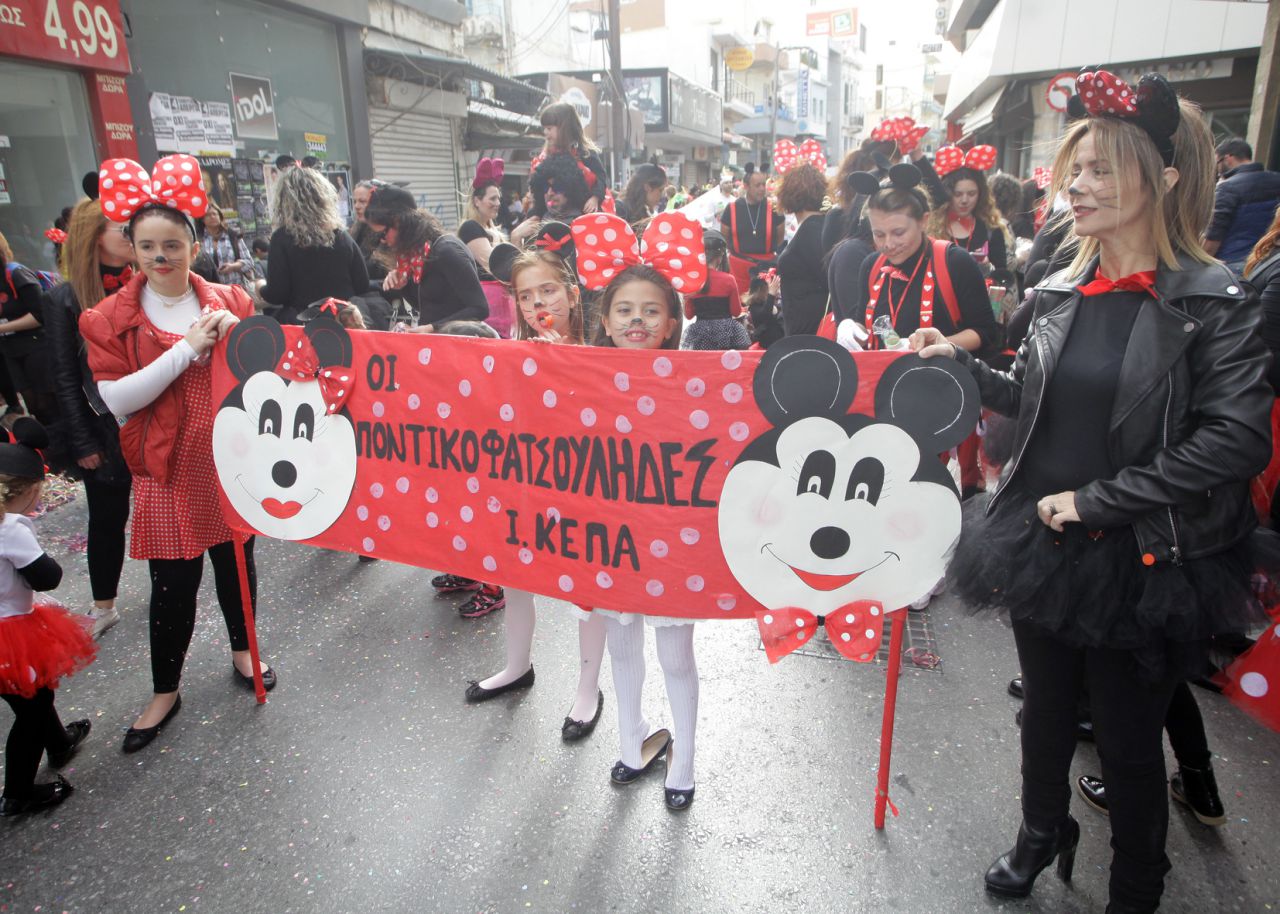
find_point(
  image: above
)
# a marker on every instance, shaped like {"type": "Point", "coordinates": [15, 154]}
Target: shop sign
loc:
{"type": "Point", "coordinates": [696, 109]}
{"type": "Point", "coordinates": [802, 93]}
{"type": "Point", "coordinates": [77, 33]}
{"type": "Point", "coordinates": [646, 91]}
{"type": "Point", "coordinates": [317, 144]}
{"type": "Point", "coordinates": [834, 24]}
{"type": "Point", "coordinates": [740, 58]}
{"type": "Point", "coordinates": [581, 103]}
{"type": "Point", "coordinates": [254, 106]}
{"type": "Point", "coordinates": [109, 99]}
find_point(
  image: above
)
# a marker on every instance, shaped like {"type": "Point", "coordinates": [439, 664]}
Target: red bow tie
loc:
{"type": "Point", "coordinates": [301, 363]}
{"type": "Point", "coordinates": [1134, 282]}
{"type": "Point", "coordinates": [113, 281]}
{"type": "Point", "coordinates": [407, 266]}
{"type": "Point", "coordinates": [894, 273]}
{"type": "Point", "coordinates": [968, 223]}
{"type": "Point", "coordinates": [855, 629]}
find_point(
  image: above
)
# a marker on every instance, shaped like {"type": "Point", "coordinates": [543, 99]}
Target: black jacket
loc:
{"type": "Point", "coordinates": [1191, 421]}
{"type": "Point", "coordinates": [88, 425]}
{"type": "Point", "coordinates": [1265, 280]}
{"type": "Point", "coordinates": [298, 276]}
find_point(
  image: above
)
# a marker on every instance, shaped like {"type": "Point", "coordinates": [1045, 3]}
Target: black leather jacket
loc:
{"type": "Point", "coordinates": [1191, 421]}
{"type": "Point", "coordinates": [89, 426]}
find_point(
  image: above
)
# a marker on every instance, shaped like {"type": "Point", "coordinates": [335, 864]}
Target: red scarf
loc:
{"type": "Point", "coordinates": [968, 223]}
{"type": "Point", "coordinates": [1134, 282]}
{"type": "Point", "coordinates": [412, 266]}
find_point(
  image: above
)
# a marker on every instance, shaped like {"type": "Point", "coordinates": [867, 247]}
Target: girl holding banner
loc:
{"type": "Point", "coordinates": [148, 348]}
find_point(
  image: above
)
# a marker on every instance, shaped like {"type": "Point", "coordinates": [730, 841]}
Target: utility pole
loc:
{"type": "Point", "coordinates": [617, 126]}
{"type": "Point", "coordinates": [773, 110]}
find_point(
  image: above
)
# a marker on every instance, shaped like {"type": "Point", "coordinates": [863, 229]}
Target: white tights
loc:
{"type": "Point", "coordinates": [675, 655]}
{"type": "Point", "coordinates": [520, 619]}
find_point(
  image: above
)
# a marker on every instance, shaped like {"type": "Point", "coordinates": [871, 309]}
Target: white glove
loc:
{"type": "Point", "coordinates": [851, 335]}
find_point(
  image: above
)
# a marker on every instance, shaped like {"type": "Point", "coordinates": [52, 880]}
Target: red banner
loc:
{"type": "Point", "coordinates": [698, 484]}
{"type": "Point", "coordinates": [113, 118]}
{"type": "Point", "coordinates": [77, 33]}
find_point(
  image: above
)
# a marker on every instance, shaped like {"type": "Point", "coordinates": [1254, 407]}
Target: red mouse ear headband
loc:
{"type": "Point", "coordinates": [1153, 106]}
{"type": "Point", "coordinates": [606, 246]}
{"type": "Point", "coordinates": [125, 187]}
{"type": "Point", "coordinates": [902, 130]}
{"type": "Point", "coordinates": [489, 171]}
{"type": "Point", "coordinates": [950, 158]}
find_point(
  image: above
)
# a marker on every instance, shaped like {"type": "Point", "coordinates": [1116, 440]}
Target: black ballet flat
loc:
{"type": "Point", "coordinates": [268, 679]}
{"type": "Point", "coordinates": [651, 751]}
{"type": "Point", "coordinates": [678, 800]}
{"type": "Point", "coordinates": [61, 790]}
{"type": "Point", "coordinates": [574, 730]}
{"type": "Point", "coordinates": [77, 731]}
{"type": "Point", "coordinates": [140, 738]}
{"type": "Point", "coordinates": [477, 693]}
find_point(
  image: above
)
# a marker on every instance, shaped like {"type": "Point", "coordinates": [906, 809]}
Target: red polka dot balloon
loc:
{"type": "Point", "coordinates": [124, 186]}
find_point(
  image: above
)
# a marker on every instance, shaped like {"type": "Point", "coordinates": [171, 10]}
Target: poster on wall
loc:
{"type": "Point", "coordinates": [341, 180]}
{"type": "Point", "coordinates": [181, 123]}
{"type": "Point", "coordinates": [217, 173]}
{"type": "Point", "coordinates": [254, 105]}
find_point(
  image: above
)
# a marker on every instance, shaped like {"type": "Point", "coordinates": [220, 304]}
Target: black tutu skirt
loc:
{"type": "Point", "coordinates": [1090, 588]}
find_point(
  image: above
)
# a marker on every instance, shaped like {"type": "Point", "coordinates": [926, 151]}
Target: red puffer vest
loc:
{"type": "Point", "coordinates": [121, 340]}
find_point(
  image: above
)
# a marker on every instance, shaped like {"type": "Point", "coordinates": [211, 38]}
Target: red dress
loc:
{"type": "Point", "coordinates": [182, 518]}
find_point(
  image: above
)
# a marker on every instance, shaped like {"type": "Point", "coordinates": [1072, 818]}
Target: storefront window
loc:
{"type": "Point", "coordinates": [45, 149]}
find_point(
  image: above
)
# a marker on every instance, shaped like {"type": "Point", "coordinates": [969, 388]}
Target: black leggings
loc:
{"type": "Point", "coordinates": [1128, 722]}
{"type": "Point", "coordinates": [108, 517]}
{"type": "Point", "coordinates": [36, 727]}
{"type": "Point", "coordinates": [174, 585]}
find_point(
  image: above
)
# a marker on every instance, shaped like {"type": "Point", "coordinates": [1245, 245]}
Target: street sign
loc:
{"type": "Point", "coordinates": [1059, 91]}
{"type": "Point", "coordinates": [802, 93]}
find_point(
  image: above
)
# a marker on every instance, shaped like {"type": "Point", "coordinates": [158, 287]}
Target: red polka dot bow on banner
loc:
{"type": "Point", "coordinates": [300, 362]}
{"type": "Point", "coordinates": [124, 187]}
{"type": "Point", "coordinates": [785, 155]}
{"type": "Point", "coordinates": [1104, 93]}
{"type": "Point", "coordinates": [606, 246]}
{"type": "Point", "coordinates": [855, 630]}
{"type": "Point", "coordinates": [950, 158]}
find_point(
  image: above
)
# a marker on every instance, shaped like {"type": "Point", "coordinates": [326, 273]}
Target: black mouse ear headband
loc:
{"type": "Point", "coordinates": [903, 176]}
{"type": "Point", "coordinates": [1153, 106]}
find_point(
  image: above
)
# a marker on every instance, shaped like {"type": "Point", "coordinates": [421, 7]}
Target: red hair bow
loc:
{"type": "Point", "coordinates": [1103, 93]}
{"type": "Point", "coordinates": [489, 171]}
{"type": "Point", "coordinates": [787, 156]}
{"type": "Point", "coordinates": [301, 363]}
{"type": "Point", "coordinates": [606, 246]}
{"type": "Point", "coordinates": [1042, 176]}
{"type": "Point", "coordinates": [855, 630]}
{"type": "Point", "coordinates": [124, 187]}
{"type": "Point", "coordinates": [902, 130]}
{"type": "Point", "coordinates": [950, 158]}
{"type": "Point", "coordinates": [56, 235]}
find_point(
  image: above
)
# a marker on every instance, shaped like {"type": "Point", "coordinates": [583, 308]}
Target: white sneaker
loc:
{"type": "Point", "coordinates": [103, 619]}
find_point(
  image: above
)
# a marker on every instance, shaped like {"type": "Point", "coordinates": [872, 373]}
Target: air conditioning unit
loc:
{"type": "Point", "coordinates": [481, 27]}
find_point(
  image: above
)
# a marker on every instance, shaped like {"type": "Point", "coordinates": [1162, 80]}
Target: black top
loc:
{"type": "Point", "coordinates": [835, 227]}
{"type": "Point", "coordinates": [751, 240]}
{"type": "Point", "coordinates": [804, 282]}
{"type": "Point", "coordinates": [368, 241]}
{"type": "Point", "coordinates": [300, 276]}
{"type": "Point", "coordinates": [970, 295]}
{"type": "Point", "coordinates": [1265, 279]}
{"type": "Point", "coordinates": [20, 294]}
{"type": "Point", "coordinates": [997, 252]}
{"type": "Point", "coordinates": [1069, 448]}
{"type": "Point", "coordinates": [471, 231]}
{"type": "Point", "coordinates": [843, 271]}
{"type": "Point", "coordinates": [450, 287]}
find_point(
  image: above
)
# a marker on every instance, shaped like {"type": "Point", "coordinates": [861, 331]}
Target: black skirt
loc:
{"type": "Point", "coordinates": [1090, 588]}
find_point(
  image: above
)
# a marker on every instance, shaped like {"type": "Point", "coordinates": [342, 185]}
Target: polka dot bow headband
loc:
{"type": "Point", "coordinates": [606, 246]}
{"type": "Point", "coordinates": [1153, 105]}
{"type": "Point", "coordinates": [901, 130]}
{"type": "Point", "coordinates": [124, 187]}
{"type": "Point", "coordinates": [950, 158]}
{"type": "Point", "coordinates": [301, 362]}
{"type": "Point", "coordinates": [786, 155]}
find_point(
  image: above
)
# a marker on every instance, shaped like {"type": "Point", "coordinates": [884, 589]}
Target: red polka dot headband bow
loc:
{"type": "Point", "coordinates": [489, 171]}
{"type": "Point", "coordinates": [124, 187]}
{"type": "Point", "coordinates": [1153, 105]}
{"type": "Point", "coordinates": [606, 246]}
{"type": "Point", "coordinates": [950, 158]}
{"type": "Point", "coordinates": [785, 155]}
{"type": "Point", "coordinates": [300, 362]}
{"type": "Point", "coordinates": [855, 630]}
{"type": "Point", "coordinates": [56, 235]}
{"type": "Point", "coordinates": [901, 130]}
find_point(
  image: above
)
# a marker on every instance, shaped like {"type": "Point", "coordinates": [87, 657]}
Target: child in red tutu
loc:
{"type": "Point", "coordinates": [39, 642]}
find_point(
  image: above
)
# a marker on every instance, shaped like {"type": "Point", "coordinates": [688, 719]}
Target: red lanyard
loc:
{"type": "Point", "coordinates": [926, 297]}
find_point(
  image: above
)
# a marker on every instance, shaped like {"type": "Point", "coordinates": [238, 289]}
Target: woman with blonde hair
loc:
{"type": "Point", "coordinates": [97, 261]}
{"type": "Point", "coordinates": [312, 257]}
{"type": "Point", "coordinates": [481, 233]}
{"type": "Point", "coordinates": [1122, 537]}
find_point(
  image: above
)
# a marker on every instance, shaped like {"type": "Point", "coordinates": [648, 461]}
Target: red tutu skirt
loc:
{"type": "Point", "coordinates": [39, 648]}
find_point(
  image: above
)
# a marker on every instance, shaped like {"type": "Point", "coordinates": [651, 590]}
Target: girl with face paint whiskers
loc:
{"type": "Point", "coordinates": [148, 347]}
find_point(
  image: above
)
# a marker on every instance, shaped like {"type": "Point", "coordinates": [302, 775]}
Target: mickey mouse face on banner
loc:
{"type": "Point", "coordinates": [286, 463]}
{"type": "Point", "coordinates": [828, 508]}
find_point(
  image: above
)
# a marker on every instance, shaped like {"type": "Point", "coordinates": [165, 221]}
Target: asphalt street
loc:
{"type": "Point", "coordinates": [367, 784]}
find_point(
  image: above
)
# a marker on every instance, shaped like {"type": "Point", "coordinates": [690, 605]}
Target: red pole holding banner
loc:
{"type": "Point", "coordinates": [890, 708]}
{"type": "Point", "coordinates": [246, 602]}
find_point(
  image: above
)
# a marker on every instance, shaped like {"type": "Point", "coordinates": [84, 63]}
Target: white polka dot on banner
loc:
{"type": "Point", "coordinates": [699, 419]}
{"type": "Point", "coordinates": [488, 364]}
{"type": "Point", "coordinates": [402, 485]}
{"type": "Point", "coordinates": [1254, 685]}
{"type": "Point", "coordinates": [489, 563]}
{"type": "Point", "coordinates": [432, 495]}
{"type": "Point", "coordinates": [459, 544]}
{"type": "Point", "coordinates": [695, 583]}
{"type": "Point", "coordinates": [464, 388]}
{"type": "Point", "coordinates": [362, 512]}
{"type": "Point", "coordinates": [662, 366]}
{"type": "Point", "coordinates": [443, 410]}
{"type": "Point", "coordinates": [506, 412]}
{"type": "Point", "coordinates": [695, 387]}
{"type": "Point", "coordinates": [726, 601]}
{"type": "Point", "coordinates": [588, 417]}
{"type": "Point", "coordinates": [384, 523]}
{"type": "Point", "coordinates": [732, 393]}
{"type": "Point", "coordinates": [530, 367]}
{"type": "Point", "coordinates": [378, 409]}
{"type": "Point", "coordinates": [549, 399]}
{"type": "Point", "coordinates": [565, 583]}
{"type": "Point", "coordinates": [466, 514]}
{"type": "Point", "coordinates": [646, 406]}
{"type": "Point", "coordinates": [689, 536]}
{"type": "Point", "coordinates": [622, 381]}
{"type": "Point", "coordinates": [739, 431]}
{"type": "Point", "coordinates": [414, 401]}
{"type": "Point", "coordinates": [525, 556]}
{"type": "Point", "coordinates": [433, 520]}
{"type": "Point", "coordinates": [493, 505]}
{"type": "Point", "coordinates": [376, 490]}
{"type": "Point", "coordinates": [604, 580]}
{"type": "Point", "coordinates": [553, 513]}
{"type": "Point", "coordinates": [731, 359]}
{"type": "Point", "coordinates": [473, 485]}
{"type": "Point", "coordinates": [623, 425]}
{"type": "Point", "coordinates": [659, 549]}
{"type": "Point", "coordinates": [424, 356]}
{"type": "Point", "coordinates": [367, 545]}
{"type": "Point", "coordinates": [654, 588]}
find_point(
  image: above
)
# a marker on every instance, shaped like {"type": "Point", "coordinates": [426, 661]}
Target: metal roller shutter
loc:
{"type": "Point", "coordinates": [420, 149]}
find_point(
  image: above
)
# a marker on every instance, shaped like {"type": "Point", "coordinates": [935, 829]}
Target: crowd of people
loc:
{"type": "Point", "coordinates": [1126, 372]}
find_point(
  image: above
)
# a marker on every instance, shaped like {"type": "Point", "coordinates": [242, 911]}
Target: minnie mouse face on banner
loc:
{"type": "Point", "coordinates": [283, 446]}
{"type": "Point", "coordinates": [951, 158]}
{"type": "Point", "coordinates": [606, 245]}
{"type": "Point", "coordinates": [124, 187]}
{"type": "Point", "coordinates": [841, 513]}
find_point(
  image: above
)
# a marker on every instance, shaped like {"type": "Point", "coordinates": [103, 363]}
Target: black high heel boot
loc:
{"type": "Point", "coordinates": [1013, 875]}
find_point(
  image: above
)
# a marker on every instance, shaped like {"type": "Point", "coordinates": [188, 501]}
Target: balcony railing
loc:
{"type": "Point", "coordinates": [736, 91]}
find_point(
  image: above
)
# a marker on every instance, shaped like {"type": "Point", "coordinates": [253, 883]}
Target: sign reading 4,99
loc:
{"type": "Point", "coordinates": [80, 33]}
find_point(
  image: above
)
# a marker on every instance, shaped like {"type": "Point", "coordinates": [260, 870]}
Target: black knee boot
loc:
{"type": "Point", "coordinates": [1013, 875]}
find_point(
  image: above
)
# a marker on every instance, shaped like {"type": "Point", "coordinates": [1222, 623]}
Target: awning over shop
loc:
{"type": "Point", "coordinates": [760, 126]}
{"type": "Point", "coordinates": [386, 55]}
{"type": "Point", "coordinates": [983, 113]}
